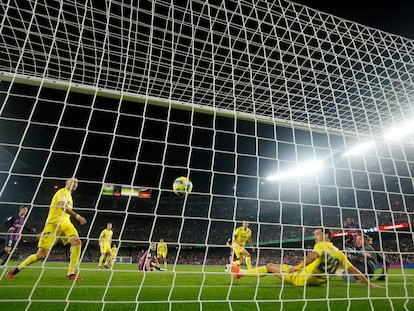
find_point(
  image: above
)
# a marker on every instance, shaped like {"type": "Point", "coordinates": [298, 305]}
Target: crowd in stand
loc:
{"type": "Point", "coordinates": [397, 250]}
{"type": "Point", "coordinates": [187, 242]}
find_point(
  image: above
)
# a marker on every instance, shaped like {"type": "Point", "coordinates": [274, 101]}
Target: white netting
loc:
{"type": "Point", "coordinates": [124, 259]}
{"type": "Point", "coordinates": [226, 92]}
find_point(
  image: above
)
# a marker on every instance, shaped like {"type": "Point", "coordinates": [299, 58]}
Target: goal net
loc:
{"type": "Point", "coordinates": [124, 259]}
{"type": "Point", "coordinates": [279, 115]}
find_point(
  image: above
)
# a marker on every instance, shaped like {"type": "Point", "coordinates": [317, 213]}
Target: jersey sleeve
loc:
{"type": "Point", "coordinates": [9, 222]}
{"type": "Point", "coordinates": [319, 248]}
{"type": "Point", "coordinates": [61, 197]}
{"type": "Point", "coordinates": [345, 263]}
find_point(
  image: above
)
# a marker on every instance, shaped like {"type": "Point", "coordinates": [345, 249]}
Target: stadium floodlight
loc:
{"type": "Point", "coordinates": [398, 132]}
{"type": "Point", "coordinates": [300, 170]}
{"type": "Point", "coordinates": [359, 148]}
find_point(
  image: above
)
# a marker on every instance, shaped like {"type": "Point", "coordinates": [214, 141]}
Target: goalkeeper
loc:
{"type": "Point", "coordinates": [363, 256]}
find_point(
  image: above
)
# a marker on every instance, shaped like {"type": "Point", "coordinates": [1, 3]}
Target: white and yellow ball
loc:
{"type": "Point", "coordinates": [182, 185]}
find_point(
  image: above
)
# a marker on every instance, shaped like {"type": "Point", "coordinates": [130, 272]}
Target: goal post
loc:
{"type": "Point", "coordinates": [277, 113]}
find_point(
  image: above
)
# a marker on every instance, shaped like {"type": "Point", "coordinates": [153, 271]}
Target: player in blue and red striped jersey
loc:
{"type": "Point", "coordinates": [16, 227]}
{"type": "Point", "coordinates": [353, 229]}
{"type": "Point", "coordinates": [149, 260]}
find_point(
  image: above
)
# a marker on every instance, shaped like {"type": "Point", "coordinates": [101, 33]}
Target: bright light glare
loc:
{"type": "Point", "coordinates": [359, 149]}
{"type": "Point", "coordinates": [397, 133]}
{"type": "Point", "coordinates": [301, 170]}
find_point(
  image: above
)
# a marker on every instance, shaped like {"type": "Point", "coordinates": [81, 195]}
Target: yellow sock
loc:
{"type": "Point", "coordinates": [237, 262]}
{"type": "Point", "coordinates": [248, 262]}
{"type": "Point", "coordinates": [108, 259]}
{"type": "Point", "coordinates": [255, 271]}
{"type": "Point", "coordinates": [74, 258]}
{"type": "Point", "coordinates": [28, 261]}
{"type": "Point", "coordinates": [101, 259]}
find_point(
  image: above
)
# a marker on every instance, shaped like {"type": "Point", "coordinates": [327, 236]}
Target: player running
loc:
{"type": "Point", "coordinates": [58, 226]}
{"type": "Point", "coordinates": [15, 226]}
{"type": "Point", "coordinates": [241, 236]}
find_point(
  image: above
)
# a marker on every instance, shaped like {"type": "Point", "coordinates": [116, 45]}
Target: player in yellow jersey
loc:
{"type": "Point", "coordinates": [320, 263]}
{"type": "Point", "coordinates": [114, 253]}
{"type": "Point", "coordinates": [58, 226]}
{"type": "Point", "coordinates": [105, 241]}
{"type": "Point", "coordinates": [162, 250]}
{"type": "Point", "coordinates": [241, 236]}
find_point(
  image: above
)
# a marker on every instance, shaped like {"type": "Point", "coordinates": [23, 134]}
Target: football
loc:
{"type": "Point", "coordinates": [182, 185]}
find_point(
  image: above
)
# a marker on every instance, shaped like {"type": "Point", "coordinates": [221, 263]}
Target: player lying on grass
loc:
{"type": "Point", "coordinates": [323, 261]}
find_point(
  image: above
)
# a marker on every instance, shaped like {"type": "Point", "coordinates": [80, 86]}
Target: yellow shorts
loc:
{"type": "Point", "coordinates": [238, 250]}
{"type": "Point", "coordinates": [300, 278]}
{"type": "Point", "coordinates": [105, 248]}
{"type": "Point", "coordinates": [52, 233]}
{"type": "Point", "coordinates": [162, 255]}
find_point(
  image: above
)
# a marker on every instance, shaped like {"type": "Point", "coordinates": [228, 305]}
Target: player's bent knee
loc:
{"type": "Point", "coordinates": [42, 253]}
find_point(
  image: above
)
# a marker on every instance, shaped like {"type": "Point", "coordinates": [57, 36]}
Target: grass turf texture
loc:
{"type": "Point", "coordinates": [187, 288]}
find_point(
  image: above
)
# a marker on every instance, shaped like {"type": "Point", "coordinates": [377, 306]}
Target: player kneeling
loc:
{"type": "Point", "coordinates": [149, 261]}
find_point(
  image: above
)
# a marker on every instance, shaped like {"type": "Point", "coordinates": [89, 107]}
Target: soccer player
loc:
{"type": "Point", "coordinates": [149, 260]}
{"type": "Point", "coordinates": [241, 236]}
{"type": "Point", "coordinates": [363, 256]}
{"type": "Point", "coordinates": [105, 241]}
{"type": "Point", "coordinates": [231, 255]}
{"type": "Point", "coordinates": [321, 262]}
{"type": "Point", "coordinates": [15, 225]}
{"type": "Point", "coordinates": [162, 250]}
{"type": "Point", "coordinates": [385, 264]}
{"type": "Point", "coordinates": [353, 231]}
{"type": "Point", "coordinates": [58, 226]}
{"type": "Point", "coordinates": [114, 253]}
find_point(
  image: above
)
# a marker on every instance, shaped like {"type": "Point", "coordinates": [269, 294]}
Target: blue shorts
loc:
{"type": "Point", "coordinates": [10, 242]}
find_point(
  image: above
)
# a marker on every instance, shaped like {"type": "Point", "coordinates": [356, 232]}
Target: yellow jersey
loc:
{"type": "Point", "coordinates": [56, 214]}
{"type": "Point", "coordinates": [316, 273]}
{"type": "Point", "coordinates": [162, 248]}
{"type": "Point", "coordinates": [106, 236]}
{"type": "Point", "coordinates": [330, 258]}
{"type": "Point", "coordinates": [114, 252]}
{"type": "Point", "coordinates": [242, 235]}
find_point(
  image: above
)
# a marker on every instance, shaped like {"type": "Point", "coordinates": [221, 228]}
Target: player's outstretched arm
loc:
{"type": "Point", "coordinates": [360, 277]}
{"type": "Point", "coordinates": [309, 259]}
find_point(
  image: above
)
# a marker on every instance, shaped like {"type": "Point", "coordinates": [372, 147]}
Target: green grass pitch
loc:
{"type": "Point", "coordinates": [188, 288]}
